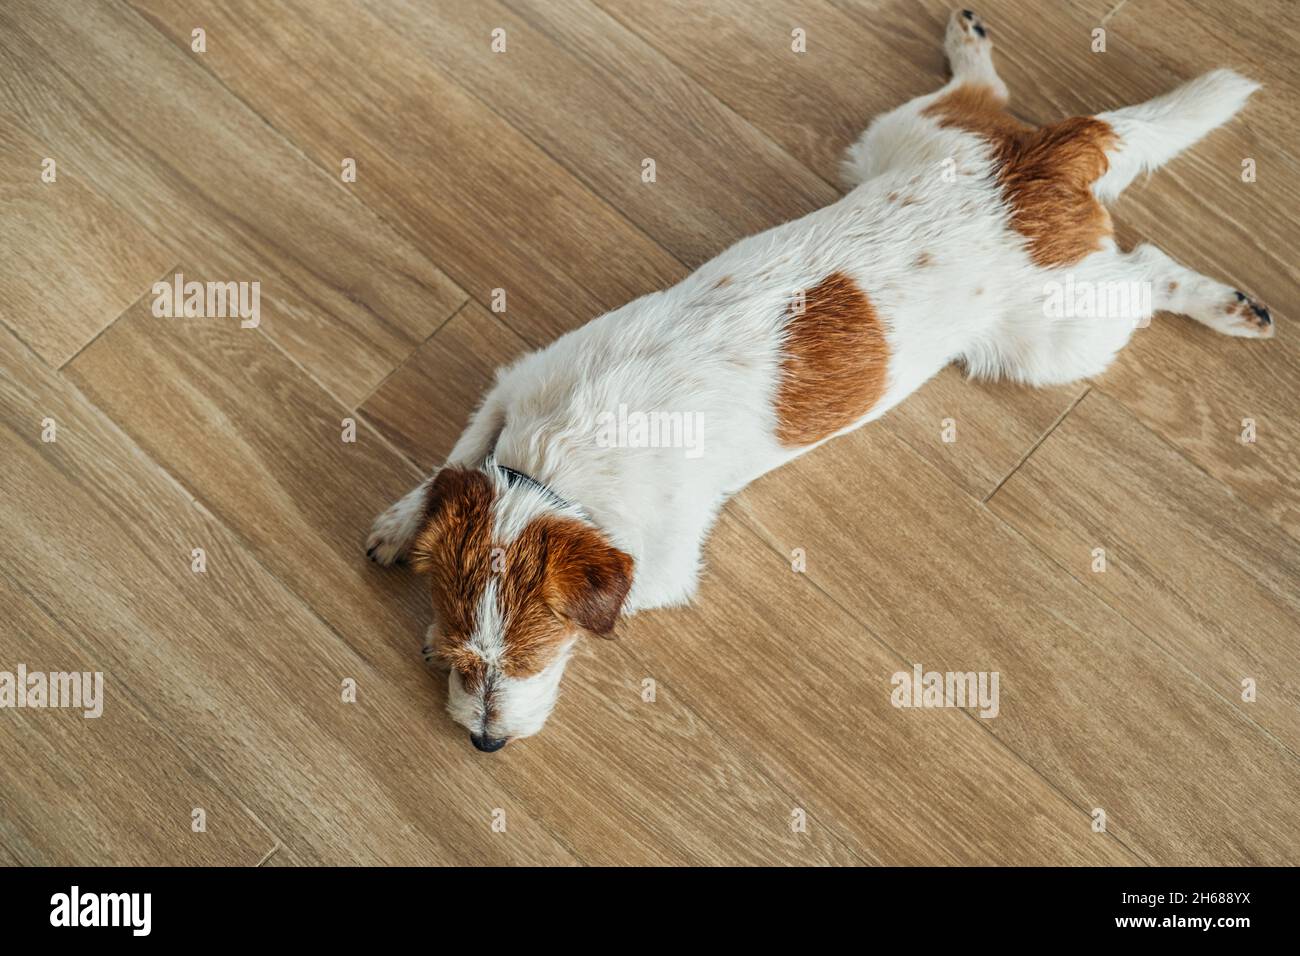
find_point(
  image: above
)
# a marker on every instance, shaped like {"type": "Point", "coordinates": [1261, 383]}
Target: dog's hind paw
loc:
{"type": "Point", "coordinates": [965, 26]}
{"type": "Point", "coordinates": [970, 52]}
{"type": "Point", "coordinates": [1247, 317]}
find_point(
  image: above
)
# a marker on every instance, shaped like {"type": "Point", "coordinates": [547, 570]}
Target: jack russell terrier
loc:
{"type": "Point", "coordinates": [962, 226]}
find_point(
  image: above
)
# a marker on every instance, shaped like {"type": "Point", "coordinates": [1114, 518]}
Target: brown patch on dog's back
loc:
{"type": "Point", "coordinates": [835, 362]}
{"type": "Point", "coordinates": [1046, 174]}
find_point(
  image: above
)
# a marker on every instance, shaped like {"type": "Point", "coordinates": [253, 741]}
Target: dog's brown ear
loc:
{"type": "Point", "coordinates": [587, 578]}
{"type": "Point", "coordinates": [457, 500]}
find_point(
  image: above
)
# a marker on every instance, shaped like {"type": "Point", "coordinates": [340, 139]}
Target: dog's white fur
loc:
{"type": "Point", "coordinates": [712, 344]}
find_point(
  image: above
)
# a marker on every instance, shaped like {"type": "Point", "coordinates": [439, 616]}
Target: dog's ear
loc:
{"type": "Point", "coordinates": [587, 578]}
{"type": "Point", "coordinates": [456, 498]}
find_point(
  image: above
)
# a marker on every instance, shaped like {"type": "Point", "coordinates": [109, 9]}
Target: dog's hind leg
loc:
{"type": "Point", "coordinates": [901, 137]}
{"type": "Point", "coordinates": [1088, 312]}
{"type": "Point", "coordinates": [1176, 288]}
{"type": "Point", "coordinates": [1150, 134]}
{"type": "Point", "coordinates": [970, 53]}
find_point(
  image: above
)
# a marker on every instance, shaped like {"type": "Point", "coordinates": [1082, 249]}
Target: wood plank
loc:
{"type": "Point", "coordinates": [210, 178]}
{"type": "Point", "coordinates": [781, 671]}
{"type": "Point", "coordinates": [813, 104]}
{"type": "Point", "coordinates": [1199, 390]}
{"type": "Point", "coordinates": [229, 661]}
{"type": "Point", "coordinates": [625, 782]}
{"type": "Point", "coordinates": [976, 433]}
{"type": "Point", "coordinates": [257, 464]}
{"type": "Point", "coordinates": [491, 207]}
{"type": "Point", "coordinates": [74, 259]}
{"type": "Point", "coordinates": [1199, 572]}
{"type": "Point", "coordinates": [83, 791]}
{"type": "Point", "coordinates": [262, 446]}
{"type": "Point", "coordinates": [1098, 709]}
{"type": "Point", "coordinates": [600, 100]}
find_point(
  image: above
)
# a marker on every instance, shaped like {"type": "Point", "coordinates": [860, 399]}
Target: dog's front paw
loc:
{"type": "Point", "coordinates": [429, 649]}
{"type": "Point", "coordinates": [395, 530]}
{"type": "Point", "coordinates": [390, 537]}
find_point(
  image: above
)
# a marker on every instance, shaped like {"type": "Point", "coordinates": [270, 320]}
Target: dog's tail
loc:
{"type": "Point", "coordinates": [1152, 133]}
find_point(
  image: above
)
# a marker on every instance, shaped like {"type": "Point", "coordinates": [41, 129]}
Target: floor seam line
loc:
{"type": "Point", "coordinates": [1037, 444]}
{"type": "Point", "coordinates": [117, 318]}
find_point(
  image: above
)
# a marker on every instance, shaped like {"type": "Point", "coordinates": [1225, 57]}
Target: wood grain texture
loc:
{"type": "Point", "coordinates": [112, 790]}
{"type": "Point", "coordinates": [209, 178]}
{"type": "Point", "coordinates": [815, 103]}
{"type": "Point", "coordinates": [74, 259]}
{"type": "Point", "coordinates": [520, 172]}
{"type": "Point", "coordinates": [615, 88]}
{"type": "Point", "coordinates": [492, 207]}
{"type": "Point", "coordinates": [1197, 570]}
{"type": "Point", "coordinates": [230, 658]}
{"type": "Point", "coordinates": [1087, 699]}
{"type": "Point", "coordinates": [784, 671]}
{"type": "Point", "coordinates": [305, 531]}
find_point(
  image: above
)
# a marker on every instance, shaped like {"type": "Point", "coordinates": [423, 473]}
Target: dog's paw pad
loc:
{"type": "Point", "coordinates": [968, 22]}
{"type": "Point", "coordinates": [1249, 317]}
{"type": "Point", "coordinates": [382, 546]}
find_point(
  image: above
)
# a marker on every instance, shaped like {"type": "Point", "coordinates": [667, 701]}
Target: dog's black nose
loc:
{"type": "Point", "coordinates": [488, 744]}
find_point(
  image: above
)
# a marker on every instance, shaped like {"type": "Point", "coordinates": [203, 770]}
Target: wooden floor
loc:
{"type": "Point", "coordinates": [1121, 692]}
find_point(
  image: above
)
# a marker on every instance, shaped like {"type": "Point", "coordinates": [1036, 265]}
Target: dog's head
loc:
{"type": "Point", "coordinates": [516, 577]}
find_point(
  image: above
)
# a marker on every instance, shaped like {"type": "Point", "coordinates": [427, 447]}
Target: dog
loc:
{"type": "Point", "coordinates": [961, 227]}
